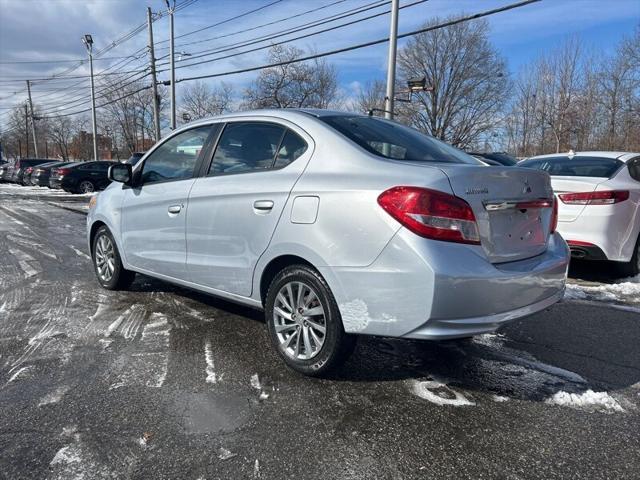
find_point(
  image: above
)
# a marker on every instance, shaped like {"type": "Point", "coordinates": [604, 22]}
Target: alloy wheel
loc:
{"type": "Point", "coordinates": [86, 187]}
{"type": "Point", "coordinates": [299, 321]}
{"type": "Point", "coordinates": [105, 258]}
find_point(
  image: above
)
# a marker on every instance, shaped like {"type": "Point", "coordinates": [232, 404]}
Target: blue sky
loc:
{"type": "Point", "coordinates": [51, 30]}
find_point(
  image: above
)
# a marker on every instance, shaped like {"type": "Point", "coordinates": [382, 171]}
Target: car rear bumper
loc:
{"type": "Point", "coordinates": [606, 232]}
{"type": "Point", "coordinates": [428, 289]}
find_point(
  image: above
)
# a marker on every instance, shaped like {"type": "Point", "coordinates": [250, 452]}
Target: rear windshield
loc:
{"type": "Point", "coordinates": [576, 166]}
{"type": "Point", "coordinates": [394, 141]}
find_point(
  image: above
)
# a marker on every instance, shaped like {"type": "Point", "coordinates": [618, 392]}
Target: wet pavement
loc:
{"type": "Point", "coordinates": [162, 382]}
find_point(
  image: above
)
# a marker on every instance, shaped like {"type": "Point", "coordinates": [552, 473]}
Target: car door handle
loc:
{"type": "Point", "coordinates": [175, 208]}
{"type": "Point", "coordinates": [263, 205]}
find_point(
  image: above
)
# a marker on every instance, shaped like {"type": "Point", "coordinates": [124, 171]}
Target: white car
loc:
{"type": "Point", "coordinates": [599, 207]}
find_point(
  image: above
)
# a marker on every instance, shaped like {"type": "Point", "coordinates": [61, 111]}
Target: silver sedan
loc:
{"type": "Point", "coordinates": [334, 224]}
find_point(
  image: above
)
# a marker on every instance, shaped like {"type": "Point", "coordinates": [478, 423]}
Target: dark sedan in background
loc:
{"type": "Point", "coordinates": [41, 173]}
{"type": "Point", "coordinates": [23, 164]}
{"type": "Point", "coordinates": [82, 177]}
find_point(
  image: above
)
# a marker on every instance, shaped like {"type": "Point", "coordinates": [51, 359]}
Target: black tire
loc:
{"type": "Point", "coordinates": [121, 278]}
{"type": "Point", "coordinates": [632, 268]}
{"type": "Point", "coordinates": [337, 345]}
{"type": "Point", "coordinates": [90, 186]}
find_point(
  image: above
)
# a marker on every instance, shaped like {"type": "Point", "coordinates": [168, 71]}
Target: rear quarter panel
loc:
{"type": "Point", "coordinates": [350, 229]}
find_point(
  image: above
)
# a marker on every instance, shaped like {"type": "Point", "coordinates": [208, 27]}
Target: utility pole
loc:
{"type": "Point", "coordinates": [173, 64]}
{"type": "Point", "coordinates": [26, 127]}
{"type": "Point", "coordinates": [391, 67]}
{"type": "Point", "coordinates": [88, 42]}
{"type": "Point", "coordinates": [33, 122]}
{"type": "Point", "coordinates": [154, 81]}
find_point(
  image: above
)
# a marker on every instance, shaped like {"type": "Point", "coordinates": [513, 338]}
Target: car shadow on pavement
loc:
{"type": "Point", "coordinates": [561, 349]}
{"type": "Point", "coordinates": [530, 359]}
{"type": "Point", "coordinates": [595, 271]}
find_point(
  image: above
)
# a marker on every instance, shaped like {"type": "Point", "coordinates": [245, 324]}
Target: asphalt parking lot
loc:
{"type": "Point", "coordinates": [163, 382]}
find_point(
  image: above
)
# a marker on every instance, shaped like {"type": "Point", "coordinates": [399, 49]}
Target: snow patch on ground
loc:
{"type": "Point", "coordinates": [499, 398]}
{"type": "Point", "coordinates": [149, 365]}
{"type": "Point", "coordinates": [589, 400]}
{"type": "Point", "coordinates": [53, 397]}
{"type": "Point", "coordinates": [210, 370]}
{"type": "Point", "coordinates": [80, 253]}
{"type": "Point", "coordinates": [224, 454]}
{"type": "Point", "coordinates": [255, 382]}
{"type": "Point", "coordinates": [18, 374]}
{"type": "Point", "coordinates": [439, 393]}
{"type": "Point", "coordinates": [626, 291]}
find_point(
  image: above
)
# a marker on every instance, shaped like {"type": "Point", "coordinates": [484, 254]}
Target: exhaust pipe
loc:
{"type": "Point", "coordinates": [578, 253]}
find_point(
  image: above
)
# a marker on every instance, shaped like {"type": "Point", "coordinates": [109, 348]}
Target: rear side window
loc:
{"type": "Point", "coordinates": [634, 168]}
{"type": "Point", "coordinates": [597, 167]}
{"type": "Point", "coordinates": [101, 166]}
{"type": "Point", "coordinates": [394, 141]}
{"type": "Point", "coordinates": [292, 147]}
{"type": "Point", "coordinates": [246, 146]}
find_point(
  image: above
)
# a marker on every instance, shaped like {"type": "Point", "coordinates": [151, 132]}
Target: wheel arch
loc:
{"type": "Point", "coordinates": [275, 265]}
{"type": "Point", "coordinates": [92, 232]}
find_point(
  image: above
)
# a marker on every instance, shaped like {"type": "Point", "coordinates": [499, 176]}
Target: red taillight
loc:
{"type": "Point", "coordinates": [608, 197]}
{"type": "Point", "coordinates": [554, 215]}
{"type": "Point", "coordinates": [579, 243]}
{"type": "Point", "coordinates": [63, 171]}
{"type": "Point", "coordinates": [431, 214]}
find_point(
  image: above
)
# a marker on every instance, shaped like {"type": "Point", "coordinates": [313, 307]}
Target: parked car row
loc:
{"type": "Point", "coordinates": [73, 177]}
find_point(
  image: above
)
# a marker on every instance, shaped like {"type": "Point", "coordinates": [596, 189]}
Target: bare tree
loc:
{"type": "Point", "coordinates": [311, 84]}
{"type": "Point", "coordinates": [60, 133]}
{"type": "Point", "coordinates": [468, 80]}
{"type": "Point", "coordinates": [199, 100]}
{"type": "Point", "coordinates": [566, 99]}
{"type": "Point", "coordinates": [370, 97]}
{"type": "Point", "coordinates": [128, 111]}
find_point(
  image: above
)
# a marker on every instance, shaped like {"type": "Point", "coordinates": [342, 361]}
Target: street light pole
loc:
{"type": "Point", "coordinates": [88, 42]}
{"type": "Point", "coordinates": [391, 67]}
{"type": "Point", "coordinates": [173, 65]}
{"type": "Point", "coordinates": [33, 123]}
{"type": "Point", "coordinates": [154, 80]}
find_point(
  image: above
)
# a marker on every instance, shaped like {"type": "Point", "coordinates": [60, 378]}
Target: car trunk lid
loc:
{"type": "Point", "coordinates": [513, 208]}
{"type": "Point", "coordinates": [566, 212]}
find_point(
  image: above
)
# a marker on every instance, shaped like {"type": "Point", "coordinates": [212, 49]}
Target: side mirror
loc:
{"type": "Point", "coordinates": [120, 172]}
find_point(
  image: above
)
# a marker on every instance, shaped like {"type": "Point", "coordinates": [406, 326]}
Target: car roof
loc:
{"type": "Point", "coordinates": [622, 156]}
{"type": "Point", "coordinates": [284, 113]}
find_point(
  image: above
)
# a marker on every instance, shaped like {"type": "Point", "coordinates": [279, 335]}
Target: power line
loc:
{"type": "Point", "coordinates": [115, 43]}
{"type": "Point", "coordinates": [300, 37]}
{"type": "Point", "coordinates": [14, 62]}
{"type": "Point", "coordinates": [222, 22]}
{"type": "Point", "coordinates": [280, 20]}
{"type": "Point", "coordinates": [290, 30]}
{"type": "Point", "coordinates": [366, 44]}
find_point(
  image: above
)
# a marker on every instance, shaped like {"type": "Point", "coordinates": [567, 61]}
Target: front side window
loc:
{"type": "Point", "coordinates": [396, 142]}
{"type": "Point", "coordinates": [176, 158]}
{"type": "Point", "coordinates": [246, 147]}
{"type": "Point", "coordinates": [597, 167]}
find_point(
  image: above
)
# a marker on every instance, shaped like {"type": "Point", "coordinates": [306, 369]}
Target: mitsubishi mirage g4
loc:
{"type": "Point", "coordinates": [336, 225]}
